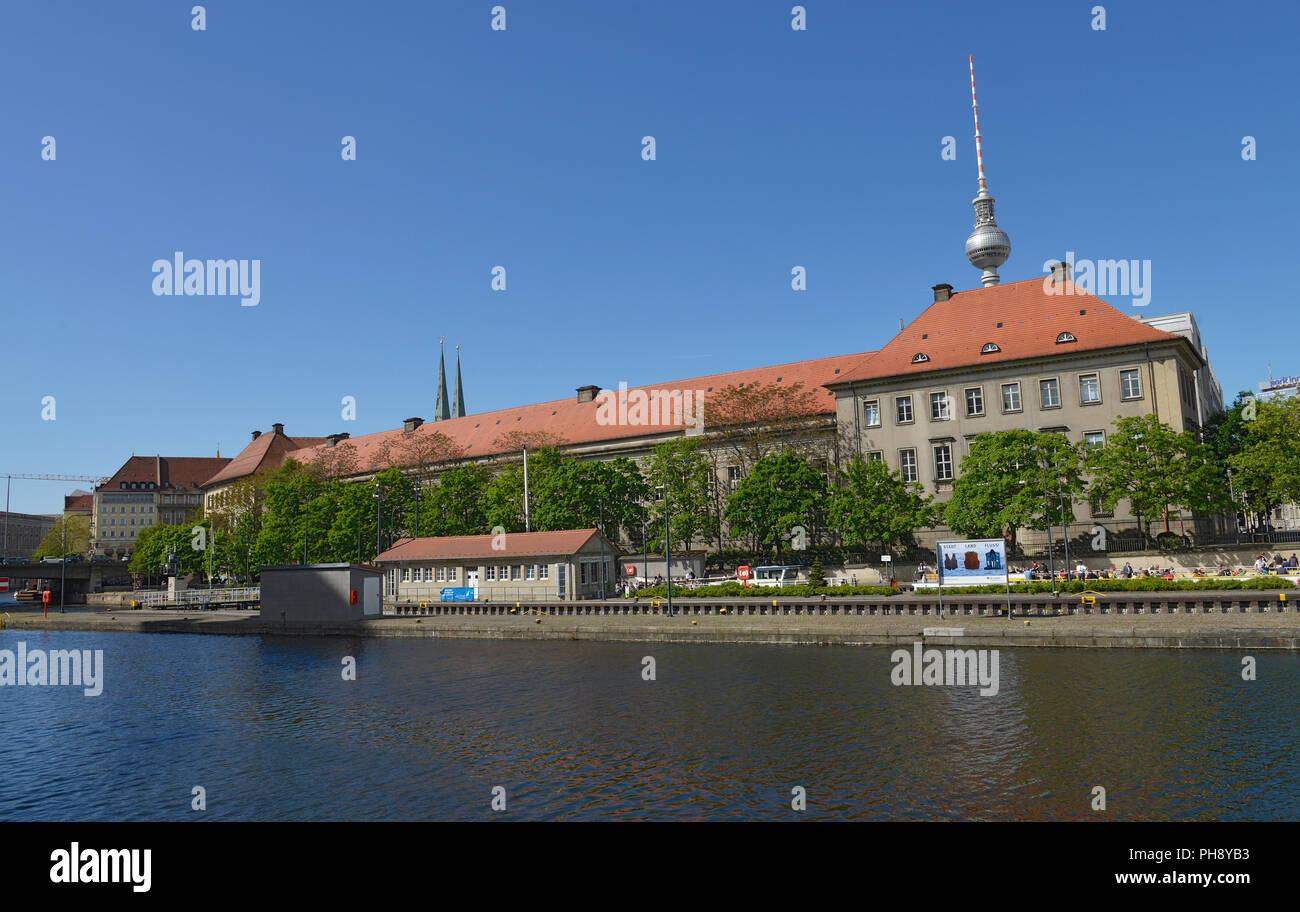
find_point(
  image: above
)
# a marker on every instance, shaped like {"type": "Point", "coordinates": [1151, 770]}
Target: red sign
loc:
{"type": "Point", "coordinates": [630, 568]}
{"type": "Point", "coordinates": [742, 573]}
{"type": "Point", "coordinates": [4, 584]}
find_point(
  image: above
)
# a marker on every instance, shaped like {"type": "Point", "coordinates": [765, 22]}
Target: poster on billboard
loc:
{"type": "Point", "coordinates": [982, 562]}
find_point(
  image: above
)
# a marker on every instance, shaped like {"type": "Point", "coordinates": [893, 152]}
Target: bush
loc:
{"type": "Point", "coordinates": [1170, 541]}
{"type": "Point", "coordinates": [734, 590]}
{"type": "Point", "coordinates": [1141, 584]}
{"type": "Point", "coordinates": [816, 578]}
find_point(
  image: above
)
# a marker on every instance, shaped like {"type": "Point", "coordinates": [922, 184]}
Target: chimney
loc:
{"type": "Point", "coordinates": [587, 393]}
{"type": "Point", "coordinates": [1060, 272]}
{"type": "Point", "coordinates": [256, 434]}
{"type": "Point", "coordinates": [411, 424]}
{"type": "Point", "coordinates": [335, 438]}
{"type": "Point", "coordinates": [941, 292]}
{"type": "Point", "coordinates": [277, 428]}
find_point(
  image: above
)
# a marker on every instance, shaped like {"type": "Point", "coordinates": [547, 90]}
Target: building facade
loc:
{"type": "Point", "coordinates": [516, 566]}
{"type": "Point", "coordinates": [146, 491]}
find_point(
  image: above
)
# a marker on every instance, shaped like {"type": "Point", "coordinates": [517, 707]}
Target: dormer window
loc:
{"type": "Point", "coordinates": [920, 357]}
{"type": "Point", "coordinates": [1065, 337]}
{"type": "Point", "coordinates": [989, 348]}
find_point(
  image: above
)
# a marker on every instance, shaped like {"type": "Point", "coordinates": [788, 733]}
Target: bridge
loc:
{"type": "Point", "coordinates": [80, 577]}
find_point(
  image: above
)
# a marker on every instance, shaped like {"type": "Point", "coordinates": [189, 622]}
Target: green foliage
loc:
{"type": "Point", "coordinates": [152, 544]}
{"type": "Point", "coordinates": [782, 491]}
{"type": "Point", "coordinates": [689, 477]}
{"type": "Point", "coordinates": [456, 505]}
{"type": "Point", "coordinates": [733, 589]}
{"type": "Point", "coordinates": [1140, 584]}
{"type": "Point", "coordinates": [874, 506]}
{"type": "Point", "coordinates": [1266, 469]}
{"type": "Point", "coordinates": [1155, 468]}
{"type": "Point", "coordinates": [816, 578]}
{"type": "Point", "coordinates": [70, 535]}
{"type": "Point", "coordinates": [1002, 488]}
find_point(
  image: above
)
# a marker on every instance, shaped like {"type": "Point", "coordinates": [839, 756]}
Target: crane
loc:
{"type": "Point", "coordinates": [10, 476]}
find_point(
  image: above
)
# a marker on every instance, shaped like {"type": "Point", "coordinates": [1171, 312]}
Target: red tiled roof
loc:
{"type": "Point", "coordinates": [1021, 318]}
{"type": "Point", "coordinates": [575, 422]}
{"type": "Point", "coordinates": [517, 544]}
{"type": "Point", "coordinates": [268, 451]}
{"type": "Point", "coordinates": [78, 502]}
{"type": "Point", "coordinates": [165, 471]}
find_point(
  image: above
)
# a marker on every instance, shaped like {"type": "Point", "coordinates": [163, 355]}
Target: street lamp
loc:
{"type": "Point", "coordinates": [1047, 517]}
{"type": "Point", "coordinates": [604, 564]}
{"type": "Point", "coordinates": [668, 539]}
{"type": "Point", "coordinates": [1065, 528]}
{"type": "Point", "coordinates": [1236, 526]}
{"type": "Point", "coordinates": [379, 502]}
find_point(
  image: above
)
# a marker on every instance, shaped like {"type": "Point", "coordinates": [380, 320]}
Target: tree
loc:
{"type": "Point", "coordinates": [1000, 489]}
{"type": "Point", "coordinates": [1266, 467]}
{"type": "Point", "coordinates": [757, 419]}
{"type": "Point", "coordinates": [503, 500]}
{"type": "Point", "coordinates": [874, 506]}
{"type": "Point", "coordinates": [783, 491]}
{"type": "Point", "coordinates": [55, 544]}
{"type": "Point", "coordinates": [455, 505]}
{"type": "Point", "coordinates": [690, 493]}
{"type": "Point", "coordinates": [1154, 468]}
{"type": "Point", "coordinates": [816, 577]}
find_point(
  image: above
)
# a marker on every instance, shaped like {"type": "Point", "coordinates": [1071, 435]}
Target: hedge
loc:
{"type": "Point", "coordinates": [734, 590]}
{"type": "Point", "coordinates": [1143, 584]}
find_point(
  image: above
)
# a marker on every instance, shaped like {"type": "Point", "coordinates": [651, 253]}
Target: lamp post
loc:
{"type": "Point", "coordinates": [668, 541]}
{"type": "Point", "coordinates": [1232, 495]}
{"type": "Point", "coordinates": [604, 564]}
{"type": "Point", "coordinates": [1065, 528]}
{"type": "Point", "coordinates": [1047, 517]}
{"type": "Point", "coordinates": [379, 522]}
{"type": "Point", "coordinates": [63, 565]}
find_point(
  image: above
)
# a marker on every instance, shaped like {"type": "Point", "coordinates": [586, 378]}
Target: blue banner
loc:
{"type": "Point", "coordinates": [451, 594]}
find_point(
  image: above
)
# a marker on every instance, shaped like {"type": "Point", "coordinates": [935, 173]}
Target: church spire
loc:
{"type": "Point", "coordinates": [458, 392]}
{"type": "Point", "coordinates": [440, 412]}
{"type": "Point", "coordinates": [988, 246]}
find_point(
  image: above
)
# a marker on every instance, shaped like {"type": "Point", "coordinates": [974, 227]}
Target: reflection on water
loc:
{"type": "Point", "coordinates": [271, 731]}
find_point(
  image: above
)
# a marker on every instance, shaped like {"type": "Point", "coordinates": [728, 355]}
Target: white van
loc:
{"type": "Point", "coordinates": [778, 577]}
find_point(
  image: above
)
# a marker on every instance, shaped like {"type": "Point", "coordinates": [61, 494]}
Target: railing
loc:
{"type": "Point", "coordinates": [199, 597]}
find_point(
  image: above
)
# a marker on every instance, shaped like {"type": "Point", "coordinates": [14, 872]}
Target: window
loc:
{"type": "Point", "coordinates": [733, 478]}
{"type": "Point", "coordinates": [903, 405]}
{"type": "Point", "coordinates": [1094, 439]}
{"type": "Point", "coordinates": [452, 573]}
{"type": "Point", "coordinates": [544, 571]}
{"type": "Point", "coordinates": [1089, 389]}
{"type": "Point", "coordinates": [920, 357]}
{"type": "Point", "coordinates": [1011, 397]}
{"type": "Point", "coordinates": [406, 574]}
{"type": "Point", "coordinates": [875, 456]}
{"type": "Point", "coordinates": [871, 412]}
{"type": "Point", "coordinates": [490, 572]}
{"type": "Point", "coordinates": [517, 571]}
{"type": "Point", "coordinates": [943, 462]}
{"type": "Point", "coordinates": [1049, 394]}
{"type": "Point", "coordinates": [441, 575]}
{"type": "Point", "coordinates": [907, 465]}
{"type": "Point", "coordinates": [939, 407]}
{"type": "Point", "coordinates": [530, 572]}
{"type": "Point", "coordinates": [989, 348]}
{"type": "Point", "coordinates": [974, 401]}
{"type": "Point", "coordinates": [582, 573]}
{"type": "Point", "coordinates": [1065, 337]}
{"type": "Point", "coordinates": [1130, 384]}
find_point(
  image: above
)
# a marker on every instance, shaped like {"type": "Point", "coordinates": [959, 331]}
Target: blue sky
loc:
{"type": "Point", "coordinates": [522, 148]}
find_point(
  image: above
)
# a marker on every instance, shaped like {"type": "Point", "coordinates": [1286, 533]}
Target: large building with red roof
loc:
{"type": "Point", "coordinates": [145, 491]}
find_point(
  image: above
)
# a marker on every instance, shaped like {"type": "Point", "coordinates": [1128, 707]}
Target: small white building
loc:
{"type": "Point", "coordinates": [512, 566]}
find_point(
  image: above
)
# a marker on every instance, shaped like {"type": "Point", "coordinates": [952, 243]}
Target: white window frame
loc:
{"type": "Point", "coordinates": [899, 402]}
{"type": "Point", "coordinates": [952, 469]}
{"type": "Point", "coordinates": [1056, 384]}
{"type": "Point", "coordinates": [1014, 385]}
{"type": "Point", "coordinates": [942, 401]}
{"type": "Point", "coordinates": [1087, 434]}
{"type": "Point", "coordinates": [903, 467]}
{"type": "Point", "coordinates": [1096, 382]}
{"type": "Point", "coordinates": [1137, 376]}
{"type": "Point", "coordinates": [979, 391]}
{"type": "Point", "coordinates": [869, 405]}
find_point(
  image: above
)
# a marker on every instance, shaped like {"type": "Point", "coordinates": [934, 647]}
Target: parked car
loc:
{"type": "Point", "coordinates": [51, 560]}
{"type": "Point", "coordinates": [73, 558]}
{"type": "Point", "coordinates": [100, 559]}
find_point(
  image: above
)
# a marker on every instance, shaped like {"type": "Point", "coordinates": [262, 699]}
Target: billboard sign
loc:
{"type": "Point", "coordinates": [982, 562]}
{"type": "Point", "coordinates": [454, 594]}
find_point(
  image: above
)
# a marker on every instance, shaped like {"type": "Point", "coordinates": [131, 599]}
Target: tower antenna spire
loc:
{"type": "Point", "coordinates": [979, 150]}
{"type": "Point", "coordinates": [988, 246]}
